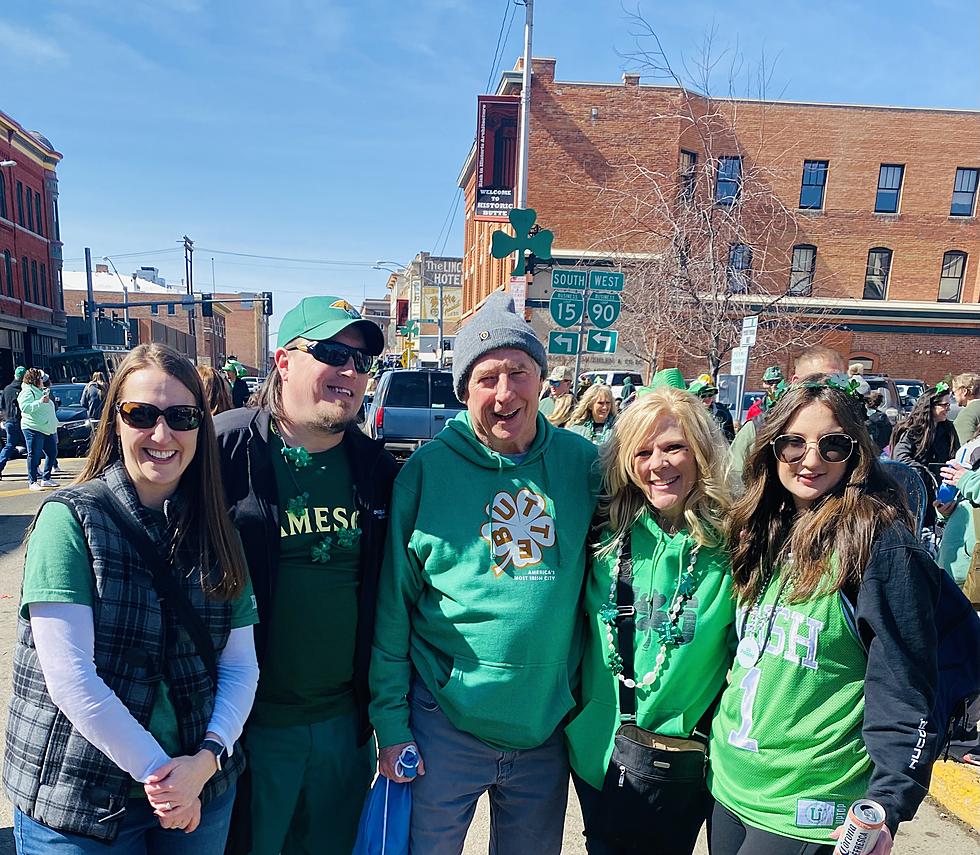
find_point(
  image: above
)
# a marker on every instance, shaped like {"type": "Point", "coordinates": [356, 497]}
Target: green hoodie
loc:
{"type": "Point", "coordinates": [481, 586]}
{"type": "Point", "coordinates": [694, 671]}
{"type": "Point", "coordinates": [959, 537]}
{"type": "Point", "coordinates": [34, 413]}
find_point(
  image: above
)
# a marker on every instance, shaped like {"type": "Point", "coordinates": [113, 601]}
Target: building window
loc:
{"type": "Point", "coordinates": [688, 174]}
{"type": "Point", "coordinates": [729, 185]}
{"type": "Point", "coordinates": [8, 266]}
{"type": "Point", "coordinates": [964, 192]}
{"type": "Point", "coordinates": [20, 202]}
{"type": "Point", "coordinates": [57, 220]}
{"type": "Point", "coordinates": [37, 214]}
{"type": "Point", "coordinates": [801, 273]}
{"type": "Point", "coordinates": [876, 276]}
{"type": "Point", "coordinates": [3, 195]}
{"type": "Point", "coordinates": [811, 188]}
{"type": "Point", "coordinates": [25, 279]}
{"type": "Point", "coordinates": [951, 277]}
{"type": "Point", "coordinates": [739, 268]}
{"type": "Point", "coordinates": [34, 288]}
{"type": "Point", "coordinates": [30, 208]}
{"type": "Point", "coordinates": [44, 287]}
{"type": "Point", "coordinates": [889, 188]}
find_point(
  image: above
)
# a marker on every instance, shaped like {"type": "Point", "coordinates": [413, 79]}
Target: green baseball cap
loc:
{"type": "Point", "coordinates": [773, 374]}
{"type": "Point", "coordinates": [320, 318]}
{"type": "Point", "coordinates": [19, 372]}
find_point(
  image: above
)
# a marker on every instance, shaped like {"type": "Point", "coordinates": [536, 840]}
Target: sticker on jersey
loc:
{"type": "Point", "coordinates": [518, 532]}
{"type": "Point", "coordinates": [815, 813]}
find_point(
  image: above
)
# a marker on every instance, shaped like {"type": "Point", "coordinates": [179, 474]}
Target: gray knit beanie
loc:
{"type": "Point", "coordinates": [495, 326]}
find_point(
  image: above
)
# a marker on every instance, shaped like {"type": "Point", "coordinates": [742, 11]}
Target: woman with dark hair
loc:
{"type": "Point", "coordinates": [216, 390]}
{"type": "Point", "coordinates": [134, 668]}
{"type": "Point", "coordinates": [39, 423]}
{"type": "Point", "coordinates": [835, 671]}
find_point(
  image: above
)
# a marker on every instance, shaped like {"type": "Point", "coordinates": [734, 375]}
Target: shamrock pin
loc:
{"type": "Point", "coordinates": [608, 613]}
{"type": "Point", "coordinates": [298, 505]}
{"type": "Point", "coordinates": [299, 457]}
{"type": "Point", "coordinates": [687, 585]}
{"type": "Point", "coordinates": [320, 552]}
{"type": "Point", "coordinates": [347, 537]}
{"type": "Point", "coordinates": [503, 244]}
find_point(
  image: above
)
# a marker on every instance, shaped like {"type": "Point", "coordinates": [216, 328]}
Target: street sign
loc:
{"type": "Point", "coordinates": [750, 327]}
{"type": "Point", "coordinates": [606, 280]}
{"type": "Point", "coordinates": [567, 307]}
{"type": "Point", "coordinates": [740, 359]}
{"type": "Point", "coordinates": [562, 343]}
{"type": "Point", "coordinates": [604, 308]}
{"type": "Point", "coordinates": [601, 341]}
{"type": "Point", "coordinates": [569, 278]}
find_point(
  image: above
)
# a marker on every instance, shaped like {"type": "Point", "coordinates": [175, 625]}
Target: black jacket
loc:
{"type": "Point", "coordinates": [896, 620]}
{"type": "Point", "coordinates": [240, 392]}
{"type": "Point", "coordinates": [11, 409]}
{"type": "Point", "coordinates": [250, 490]}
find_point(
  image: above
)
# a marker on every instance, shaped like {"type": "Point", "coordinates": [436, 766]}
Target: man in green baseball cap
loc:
{"type": "Point", "coordinates": [309, 494]}
{"type": "Point", "coordinates": [235, 371]}
{"type": "Point", "coordinates": [11, 418]}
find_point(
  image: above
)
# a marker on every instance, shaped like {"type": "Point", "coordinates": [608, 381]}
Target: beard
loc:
{"type": "Point", "coordinates": [333, 422]}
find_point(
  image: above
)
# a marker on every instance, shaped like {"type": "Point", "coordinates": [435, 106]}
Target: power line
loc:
{"type": "Point", "coordinates": [115, 255]}
{"type": "Point", "coordinates": [449, 230]}
{"type": "Point", "coordinates": [496, 50]}
{"type": "Point", "coordinates": [288, 258]}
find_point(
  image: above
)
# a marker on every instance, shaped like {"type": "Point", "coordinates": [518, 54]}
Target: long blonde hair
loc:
{"type": "Point", "coordinates": [583, 411]}
{"type": "Point", "coordinates": [623, 500]}
{"type": "Point", "coordinates": [563, 409]}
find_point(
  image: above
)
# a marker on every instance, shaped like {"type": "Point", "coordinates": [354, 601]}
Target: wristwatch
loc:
{"type": "Point", "coordinates": [217, 749]}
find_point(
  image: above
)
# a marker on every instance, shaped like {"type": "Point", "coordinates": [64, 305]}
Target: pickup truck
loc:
{"type": "Point", "coordinates": [410, 407]}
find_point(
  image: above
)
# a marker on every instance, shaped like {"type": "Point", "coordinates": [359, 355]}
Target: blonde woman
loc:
{"type": "Point", "coordinates": [595, 414]}
{"type": "Point", "coordinates": [659, 627]}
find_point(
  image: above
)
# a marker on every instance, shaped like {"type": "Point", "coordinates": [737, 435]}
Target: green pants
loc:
{"type": "Point", "coordinates": [308, 786]}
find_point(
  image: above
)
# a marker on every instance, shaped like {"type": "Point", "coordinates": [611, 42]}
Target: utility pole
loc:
{"type": "Point", "coordinates": [93, 329]}
{"type": "Point", "coordinates": [525, 108]}
{"type": "Point", "coordinates": [189, 270]}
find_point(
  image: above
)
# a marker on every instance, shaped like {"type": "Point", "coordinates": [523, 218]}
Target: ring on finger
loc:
{"type": "Point", "coordinates": [168, 806]}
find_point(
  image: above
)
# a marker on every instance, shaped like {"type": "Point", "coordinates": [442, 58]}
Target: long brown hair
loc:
{"type": "Point", "coordinates": [920, 424]}
{"type": "Point", "coordinates": [837, 531]}
{"type": "Point", "coordinates": [216, 391]}
{"type": "Point", "coordinates": [203, 527]}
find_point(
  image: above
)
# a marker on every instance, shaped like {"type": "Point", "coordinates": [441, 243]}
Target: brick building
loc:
{"type": "Point", "coordinates": [885, 235]}
{"type": "Point", "coordinates": [233, 328]}
{"type": "Point", "coordinates": [32, 318]}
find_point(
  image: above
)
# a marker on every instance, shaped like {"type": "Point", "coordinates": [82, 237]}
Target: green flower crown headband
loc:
{"type": "Point", "coordinates": [849, 388]}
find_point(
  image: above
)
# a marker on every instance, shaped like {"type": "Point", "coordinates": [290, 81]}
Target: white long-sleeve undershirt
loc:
{"type": "Point", "coordinates": [64, 637]}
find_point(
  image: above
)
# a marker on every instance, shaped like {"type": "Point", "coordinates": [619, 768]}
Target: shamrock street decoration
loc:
{"type": "Point", "coordinates": [502, 244]}
{"type": "Point", "coordinates": [518, 529]}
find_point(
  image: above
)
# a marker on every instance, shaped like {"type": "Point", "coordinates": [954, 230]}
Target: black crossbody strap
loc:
{"type": "Point", "coordinates": [171, 595]}
{"type": "Point", "coordinates": [626, 626]}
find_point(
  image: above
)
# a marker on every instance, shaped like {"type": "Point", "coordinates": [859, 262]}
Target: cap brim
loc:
{"type": "Point", "coordinates": [374, 339]}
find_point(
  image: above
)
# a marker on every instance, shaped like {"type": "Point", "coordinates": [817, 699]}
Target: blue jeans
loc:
{"type": "Point", "coordinates": [37, 444]}
{"type": "Point", "coordinates": [9, 451]}
{"type": "Point", "coordinates": [139, 834]}
{"type": "Point", "coordinates": [528, 789]}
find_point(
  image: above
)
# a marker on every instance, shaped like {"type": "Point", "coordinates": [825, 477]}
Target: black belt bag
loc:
{"type": "Point", "coordinates": [654, 797]}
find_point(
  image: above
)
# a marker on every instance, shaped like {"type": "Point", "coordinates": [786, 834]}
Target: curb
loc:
{"type": "Point", "coordinates": [955, 787]}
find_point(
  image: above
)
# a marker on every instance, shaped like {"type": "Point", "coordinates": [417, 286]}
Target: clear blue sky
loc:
{"type": "Point", "coordinates": [335, 129]}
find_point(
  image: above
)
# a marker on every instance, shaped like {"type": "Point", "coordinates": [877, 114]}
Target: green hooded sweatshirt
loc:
{"type": "Point", "coordinates": [35, 414]}
{"type": "Point", "coordinates": [481, 585]}
{"type": "Point", "coordinates": [694, 671]}
{"type": "Point", "coordinates": [959, 537]}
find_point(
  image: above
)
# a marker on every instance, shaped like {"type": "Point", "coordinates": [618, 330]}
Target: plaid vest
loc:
{"type": "Point", "coordinates": [50, 771]}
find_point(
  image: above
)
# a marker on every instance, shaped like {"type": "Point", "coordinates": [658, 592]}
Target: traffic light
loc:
{"type": "Point", "coordinates": [86, 309]}
{"type": "Point", "coordinates": [207, 308]}
{"type": "Point", "coordinates": [267, 303]}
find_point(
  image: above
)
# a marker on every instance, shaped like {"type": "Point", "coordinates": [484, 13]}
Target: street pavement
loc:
{"type": "Point", "coordinates": [933, 832]}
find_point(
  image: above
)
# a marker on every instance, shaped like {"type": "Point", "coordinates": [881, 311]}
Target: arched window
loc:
{"type": "Point", "coordinates": [876, 276]}
{"type": "Point", "coordinates": [951, 276]}
{"type": "Point", "coordinates": [801, 272]}
{"type": "Point", "coordinates": [739, 268]}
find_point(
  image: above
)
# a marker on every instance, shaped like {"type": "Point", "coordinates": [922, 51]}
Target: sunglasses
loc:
{"type": "Point", "coordinates": [832, 448]}
{"type": "Point", "coordinates": [144, 416]}
{"type": "Point", "coordinates": [336, 354]}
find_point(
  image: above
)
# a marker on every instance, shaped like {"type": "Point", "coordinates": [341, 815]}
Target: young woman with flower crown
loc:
{"type": "Point", "coordinates": [830, 694]}
{"type": "Point", "coordinates": [659, 624]}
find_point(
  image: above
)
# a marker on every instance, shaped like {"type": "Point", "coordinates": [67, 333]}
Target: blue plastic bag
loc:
{"type": "Point", "coordinates": [387, 814]}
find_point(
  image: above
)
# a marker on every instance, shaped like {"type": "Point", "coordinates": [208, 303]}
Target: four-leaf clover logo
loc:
{"type": "Point", "coordinates": [518, 529]}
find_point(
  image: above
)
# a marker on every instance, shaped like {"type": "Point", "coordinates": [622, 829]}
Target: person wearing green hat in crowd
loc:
{"type": "Point", "coordinates": [11, 418]}
{"type": "Point", "coordinates": [235, 371]}
{"type": "Point", "coordinates": [309, 494]}
{"type": "Point", "coordinates": [705, 388]}
{"type": "Point", "coordinates": [771, 379]}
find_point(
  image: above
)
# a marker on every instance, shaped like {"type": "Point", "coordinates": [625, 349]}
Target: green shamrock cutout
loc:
{"type": "Point", "coordinates": [299, 457]}
{"type": "Point", "coordinates": [320, 553]}
{"type": "Point", "coordinates": [502, 244]}
{"type": "Point", "coordinates": [687, 586]}
{"type": "Point", "coordinates": [347, 537]}
{"type": "Point", "coordinates": [608, 613]}
{"type": "Point", "coordinates": [297, 506]}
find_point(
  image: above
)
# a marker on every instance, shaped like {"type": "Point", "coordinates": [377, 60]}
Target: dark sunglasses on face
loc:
{"type": "Point", "coordinates": [832, 448]}
{"type": "Point", "coordinates": [143, 416]}
{"type": "Point", "coordinates": [336, 354]}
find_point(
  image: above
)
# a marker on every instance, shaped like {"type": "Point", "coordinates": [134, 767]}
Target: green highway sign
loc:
{"type": "Point", "coordinates": [567, 307]}
{"type": "Point", "coordinates": [569, 278]}
{"type": "Point", "coordinates": [604, 308]}
{"type": "Point", "coordinates": [561, 343]}
{"type": "Point", "coordinates": [601, 341]}
{"type": "Point", "coordinates": [606, 280]}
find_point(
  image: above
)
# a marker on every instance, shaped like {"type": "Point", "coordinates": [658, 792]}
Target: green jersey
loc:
{"type": "Point", "coordinates": [787, 754]}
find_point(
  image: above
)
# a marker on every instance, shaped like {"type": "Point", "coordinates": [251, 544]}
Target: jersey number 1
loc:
{"type": "Point", "coordinates": [750, 685]}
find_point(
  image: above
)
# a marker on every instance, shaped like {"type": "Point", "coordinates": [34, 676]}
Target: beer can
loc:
{"type": "Point", "coordinates": [860, 831]}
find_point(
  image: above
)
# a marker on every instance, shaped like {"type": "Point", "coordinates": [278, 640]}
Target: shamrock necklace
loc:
{"type": "Point", "coordinates": [669, 632]}
{"type": "Point", "coordinates": [298, 506]}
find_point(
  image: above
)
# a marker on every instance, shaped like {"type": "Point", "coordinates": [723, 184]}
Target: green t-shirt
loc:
{"type": "Point", "coordinates": [308, 668]}
{"type": "Point", "coordinates": [58, 570]}
{"type": "Point", "coordinates": [787, 754]}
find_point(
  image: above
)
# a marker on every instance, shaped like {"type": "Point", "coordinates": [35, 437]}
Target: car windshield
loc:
{"type": "Point", "coordinates": [70, 396]}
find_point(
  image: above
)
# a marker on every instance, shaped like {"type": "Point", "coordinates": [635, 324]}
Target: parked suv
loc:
{"type": "Point", "coordinates": [410, 407]}
{"type": "Point", "coordinates": [612, 378]}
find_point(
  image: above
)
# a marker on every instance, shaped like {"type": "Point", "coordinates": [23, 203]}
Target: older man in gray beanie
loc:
{"type": "Point", "coordinates": [478, 619]}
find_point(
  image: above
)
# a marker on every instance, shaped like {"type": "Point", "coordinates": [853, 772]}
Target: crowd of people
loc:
{"type": "Point", "coordinates": [237, 616]}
